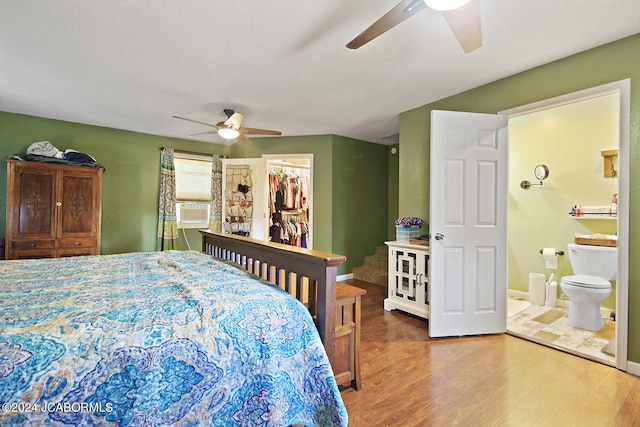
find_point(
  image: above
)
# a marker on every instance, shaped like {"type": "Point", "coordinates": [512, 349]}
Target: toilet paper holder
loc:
{"type": "Point", "coordinates": [557, 252]}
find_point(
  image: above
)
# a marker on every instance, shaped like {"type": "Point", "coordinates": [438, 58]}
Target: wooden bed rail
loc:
{"type": "Point", "coordinates": [307, 274]}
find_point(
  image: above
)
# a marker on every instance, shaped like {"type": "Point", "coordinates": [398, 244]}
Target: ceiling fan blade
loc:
{"type": "Point", "coordinates": [235, 120]}
{"type": "Point", "coordinates": [194, 121]}
{"type": "Point", "coordinates": [204, 133]}
{"type": "Point", "coordinates": [465, 24]}
{"type": "Point", "coordinates": [253, 131]}
{"type": "Point", "coordinates": [402, 11]}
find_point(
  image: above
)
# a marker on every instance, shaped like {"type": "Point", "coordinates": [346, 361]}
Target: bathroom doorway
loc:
{"type": "Point", "coordinates": [538, 216]}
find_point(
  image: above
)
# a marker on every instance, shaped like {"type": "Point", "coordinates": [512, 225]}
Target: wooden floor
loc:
{"type": "Point", "coordinates": [409, 379]}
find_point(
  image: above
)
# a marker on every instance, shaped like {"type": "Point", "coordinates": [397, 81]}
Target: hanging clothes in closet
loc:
{"type": "Point", "coordinates": [288, 191]}
{"type": "Point", "coordinates": [291, 231]}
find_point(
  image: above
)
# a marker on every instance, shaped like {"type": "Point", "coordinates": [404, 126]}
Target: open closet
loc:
{"type": "Point", "coordinates": [289, 196]}
{"type": "Point", "coordinates": [270, 198]}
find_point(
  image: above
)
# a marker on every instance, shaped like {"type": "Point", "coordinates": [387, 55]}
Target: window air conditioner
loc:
{"type": "Point", "coordinates": [192, 214]}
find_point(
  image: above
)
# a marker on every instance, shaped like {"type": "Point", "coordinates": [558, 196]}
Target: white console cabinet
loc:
{"type": "Point", "coordinates": [408, 283]}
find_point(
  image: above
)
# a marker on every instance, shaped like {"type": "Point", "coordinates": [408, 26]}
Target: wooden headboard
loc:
{"type": "Point", "coordinates": [307, 274]}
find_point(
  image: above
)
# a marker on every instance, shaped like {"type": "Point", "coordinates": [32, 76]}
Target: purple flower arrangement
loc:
{"type": "Point", "coordinates": [409, 221]}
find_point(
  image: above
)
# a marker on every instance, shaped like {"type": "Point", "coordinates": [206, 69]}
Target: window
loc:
{"type": "Point", "coordinates": [193, 177]}
{"type": "Point", "coordinates": [193, 189]}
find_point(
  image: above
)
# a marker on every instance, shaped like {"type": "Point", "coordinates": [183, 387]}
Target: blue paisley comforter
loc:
{"type": "Point", "coordinates": [149, 339]}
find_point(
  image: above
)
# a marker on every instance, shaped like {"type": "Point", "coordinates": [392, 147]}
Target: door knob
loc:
{"type": "Point", "coordinates": [439, 236]}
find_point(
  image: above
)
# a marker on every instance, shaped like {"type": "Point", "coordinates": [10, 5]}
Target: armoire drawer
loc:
{"type": "Point", "coordinates": [77, 243]}
{"type": "Point", "coordinates": [33, 244]}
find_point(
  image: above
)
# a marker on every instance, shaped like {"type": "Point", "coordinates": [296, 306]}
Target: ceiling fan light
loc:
{"type": "Point", "coordinates": [228, 132]}
{"type": "Point", "coordinates": [445, 4]}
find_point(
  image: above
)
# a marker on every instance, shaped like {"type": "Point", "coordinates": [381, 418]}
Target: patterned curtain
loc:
{"type": "Point", "coordinates": [215, 218]}
{"type": "Point", "coordinates": [167, 224]}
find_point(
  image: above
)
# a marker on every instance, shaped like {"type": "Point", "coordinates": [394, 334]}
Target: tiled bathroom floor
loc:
{"type": "Point", "coordinates": [548, 326]}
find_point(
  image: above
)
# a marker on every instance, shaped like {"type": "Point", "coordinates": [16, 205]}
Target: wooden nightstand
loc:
{"type": "Point", "coordinates": [347, 338]}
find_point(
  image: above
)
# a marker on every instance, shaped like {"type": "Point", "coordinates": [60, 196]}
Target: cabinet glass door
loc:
{"type": "Point", "coordinates": [405, 280]}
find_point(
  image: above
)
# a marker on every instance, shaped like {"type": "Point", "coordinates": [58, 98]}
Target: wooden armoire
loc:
{"type": "Point", "coordinates": [53, 210]}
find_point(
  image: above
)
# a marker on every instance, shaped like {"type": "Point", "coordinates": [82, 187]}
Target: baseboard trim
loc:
{"type": "Point", "coordinates": [633, 368]}
{"type": "Point", "coordinates": [344, 277]}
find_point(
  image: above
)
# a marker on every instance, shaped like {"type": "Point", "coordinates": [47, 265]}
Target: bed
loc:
{"type": "Point", "coordinates": [177, 338]}
{"type": "Point", "coordinates": [308, 275]}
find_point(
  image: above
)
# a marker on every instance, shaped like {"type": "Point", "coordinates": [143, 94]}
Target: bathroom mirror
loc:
{"type": "Point", "coordinates": [541, 172]}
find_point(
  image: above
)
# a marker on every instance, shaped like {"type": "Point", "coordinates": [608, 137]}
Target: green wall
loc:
{"type": "Point", "coordinates": [413, 170]}
{"type": "Point", "coordinates": [359, 189]}
{"type": "Point", "coordinates": [131, 181]}
{"type": "Point", "coordinates": [350, 190]}
{"type": "Point", "coordinates": [604, 64]}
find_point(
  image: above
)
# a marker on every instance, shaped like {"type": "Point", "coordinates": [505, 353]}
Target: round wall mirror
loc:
{"type": "Point", "coordinates": [541, 172]}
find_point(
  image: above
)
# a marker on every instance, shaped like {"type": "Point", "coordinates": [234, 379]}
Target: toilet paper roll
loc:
{"type": "Point", "coordinates": [537, 288]}
{"type": "Point", "coordinates": [550, 257]}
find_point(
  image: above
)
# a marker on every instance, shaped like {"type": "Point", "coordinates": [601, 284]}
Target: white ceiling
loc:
{"type": "Point", "coordinates": [132, 64]}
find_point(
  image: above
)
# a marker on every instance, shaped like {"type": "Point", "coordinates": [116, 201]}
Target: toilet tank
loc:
{"type": "Point", "coordinates": [601, 261]}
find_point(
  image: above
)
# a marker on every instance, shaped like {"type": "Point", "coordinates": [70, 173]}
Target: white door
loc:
{"type": "Point", "coordinates": [467, 221]}
{"type": "Point", "coordinates": [244, 197]}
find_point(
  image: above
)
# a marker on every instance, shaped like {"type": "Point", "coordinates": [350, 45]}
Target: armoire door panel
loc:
{"type": "Point", "coordinates": [35, 217]}
{"type": "Point", "coordinates": [76, 212]}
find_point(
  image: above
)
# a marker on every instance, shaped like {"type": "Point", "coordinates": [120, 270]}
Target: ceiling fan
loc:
{"type": "Point", "coordinates": [463, 17]}
{"type": "Point", "coordinates": [230, 128]}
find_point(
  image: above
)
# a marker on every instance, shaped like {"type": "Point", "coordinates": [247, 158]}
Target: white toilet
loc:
{"type": "Point", "coordinates": [593, 268]}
